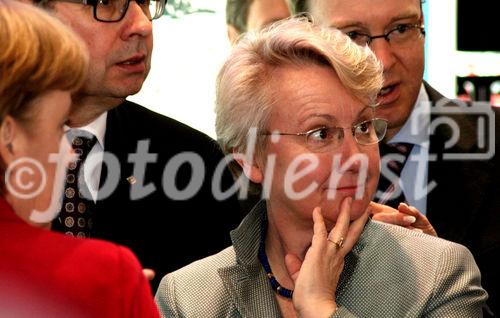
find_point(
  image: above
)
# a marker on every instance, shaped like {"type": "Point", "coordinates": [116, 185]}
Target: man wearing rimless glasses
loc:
{"type": "Point", "coordinates": [158, 226]}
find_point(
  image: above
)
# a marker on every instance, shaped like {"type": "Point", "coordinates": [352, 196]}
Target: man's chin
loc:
{"type": "Point", "coordinates": [126, 90]}
{"type": "Point", "coordinates": [385, 110]}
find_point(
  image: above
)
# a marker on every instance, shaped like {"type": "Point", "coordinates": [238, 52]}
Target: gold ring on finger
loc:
{"type": "Point", "coordinates": [338, 244]}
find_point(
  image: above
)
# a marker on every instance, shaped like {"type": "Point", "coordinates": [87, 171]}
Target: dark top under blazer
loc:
{"type": "Point", "coordinates": [465, 205]}
{"type": "Point", "coordinates": [164, 233]}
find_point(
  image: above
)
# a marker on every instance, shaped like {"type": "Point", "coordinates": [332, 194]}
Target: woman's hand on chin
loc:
{"type": "Point", "coordinates": [316, 277]}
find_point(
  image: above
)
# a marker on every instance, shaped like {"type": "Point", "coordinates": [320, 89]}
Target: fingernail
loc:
{"type": "Point", "coordinates": [404, 204]}
{"type": "Point", "coordinates": [409, 219]}
{"type": "Point", "coordinates": [418, 230]}
{"type": "Point", "coordinates": [346, 202]}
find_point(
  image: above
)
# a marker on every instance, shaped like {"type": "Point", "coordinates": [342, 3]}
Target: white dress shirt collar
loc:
{"type": "Point", "coordinates": [96, 128]}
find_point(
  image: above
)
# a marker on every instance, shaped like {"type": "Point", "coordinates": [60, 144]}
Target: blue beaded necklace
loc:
{"type": "Point", "coordinates": [280, 290]}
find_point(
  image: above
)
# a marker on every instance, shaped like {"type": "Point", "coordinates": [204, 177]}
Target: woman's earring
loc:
{"type": "Point", "coordinates": [9, 148]}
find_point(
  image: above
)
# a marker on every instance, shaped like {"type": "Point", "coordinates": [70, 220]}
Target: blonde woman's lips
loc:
{"type": "Point", "coordinates": [343, 191]}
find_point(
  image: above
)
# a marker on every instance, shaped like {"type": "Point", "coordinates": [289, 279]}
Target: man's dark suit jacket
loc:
{"type": "Point", "coordinates": [465, 205]}
{"type": "Point", "coordinates": [164, 233]}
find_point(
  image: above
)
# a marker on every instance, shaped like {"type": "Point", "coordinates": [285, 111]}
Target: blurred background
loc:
{"type": "Point", "coordinates": [462, 56]}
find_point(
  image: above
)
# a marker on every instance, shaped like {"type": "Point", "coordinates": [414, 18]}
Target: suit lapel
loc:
{"type": "Point", "coordinates": [249, 289]}
{"type": "Point", "coordinates": [109, 215]}
{"type": "Point", "coordinates": [119, 142]}
{"type": "Point", "coordinates": [246, 281]}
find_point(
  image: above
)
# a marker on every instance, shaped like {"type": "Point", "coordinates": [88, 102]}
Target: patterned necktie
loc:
{"type": "Point", "coordinates": [390, 188]}
{"type": "Point", "coordinates": [75, 216]}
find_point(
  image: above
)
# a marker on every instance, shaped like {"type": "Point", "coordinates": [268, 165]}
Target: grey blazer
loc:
{"type": "Point", "coordinates": [391, 272]}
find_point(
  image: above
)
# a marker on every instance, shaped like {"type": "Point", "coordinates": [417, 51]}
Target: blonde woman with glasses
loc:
{"type": "Point", "coordinates": [306, 94]}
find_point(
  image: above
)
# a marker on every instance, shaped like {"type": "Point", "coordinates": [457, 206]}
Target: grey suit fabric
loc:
{"type": "Point", "coordinates": [391, 272]}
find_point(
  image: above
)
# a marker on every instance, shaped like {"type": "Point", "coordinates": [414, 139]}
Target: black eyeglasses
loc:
{"type": "Point", "coordinates": [115, 10]}
{"type": "Point", "coordinates": [401, 34]}
{"type": "Point", "coordinates": [325, 138]}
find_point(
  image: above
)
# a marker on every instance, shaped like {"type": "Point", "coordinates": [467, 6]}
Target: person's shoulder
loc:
{"type": "Point", "coordinates": [206, 269]}
{"type": "Point", "coordinates": [380, 231]}
{"type": "Point", "coordinates": [104, 252]}
{"type": "Point", "coordinates": [57, 246]}
{"type": "Point", "coordinates": [103, 260]}
{"type": "Point", "coordinates": [444, 272]}
{"type": "Point", "coordinates": [52, 260]}
{"type": "Point", "coordinates": [150, 119]}
{"type": "Point", "coordinates": [147, 123]}
{"type": "Point", "coordinates": [398, 254]}
{"type": "Point", "coordinates": [416, 245]}
{"type": "Point", "coordinates": [198, 287]}
{"type": "Point", "coordinates": [118, 278]}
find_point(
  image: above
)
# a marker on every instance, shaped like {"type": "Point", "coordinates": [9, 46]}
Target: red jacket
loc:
{"type": "Point", "coordinates": [47, 274]}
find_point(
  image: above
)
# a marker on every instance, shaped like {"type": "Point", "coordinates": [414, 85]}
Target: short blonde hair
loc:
{"type": "Point", "coordinates": [39, 53]}
{"type": "Point", "coordinates": [243, 94]}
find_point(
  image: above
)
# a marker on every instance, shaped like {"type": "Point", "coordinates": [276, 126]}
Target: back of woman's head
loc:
{"type": "Point", "coordinates": [38, 54]}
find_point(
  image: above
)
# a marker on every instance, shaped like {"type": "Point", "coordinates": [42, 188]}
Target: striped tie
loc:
{"type": "Point", "coordinates": [397, 155]}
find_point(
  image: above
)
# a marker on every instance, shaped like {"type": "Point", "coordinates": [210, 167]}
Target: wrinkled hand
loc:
{"type": "Point", "coordinates": [149, 273]}
{"type": "Point", "coordinates": [405, 216]}
{"type": "Point", "coordinates": [316, 277]}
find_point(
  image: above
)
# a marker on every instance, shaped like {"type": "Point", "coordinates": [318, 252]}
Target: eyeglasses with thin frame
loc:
{"type": "Point", "coordinates": [115, 10]}
{"type": "Point", "coordinates": [326, 138]}
{"type": "Point", "coordinates": [401, 34]}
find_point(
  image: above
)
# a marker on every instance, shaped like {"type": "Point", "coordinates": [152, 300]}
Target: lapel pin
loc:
{"type": "Point", "coordinates": [131, 180]}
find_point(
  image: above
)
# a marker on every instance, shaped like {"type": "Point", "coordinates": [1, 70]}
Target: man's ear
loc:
{"type": "Point", "coordinates": [8, 130]}
{"type": "Point", "coordinates": [232, 34]}
{"type": "Point", "coordinates": [251, 169]}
